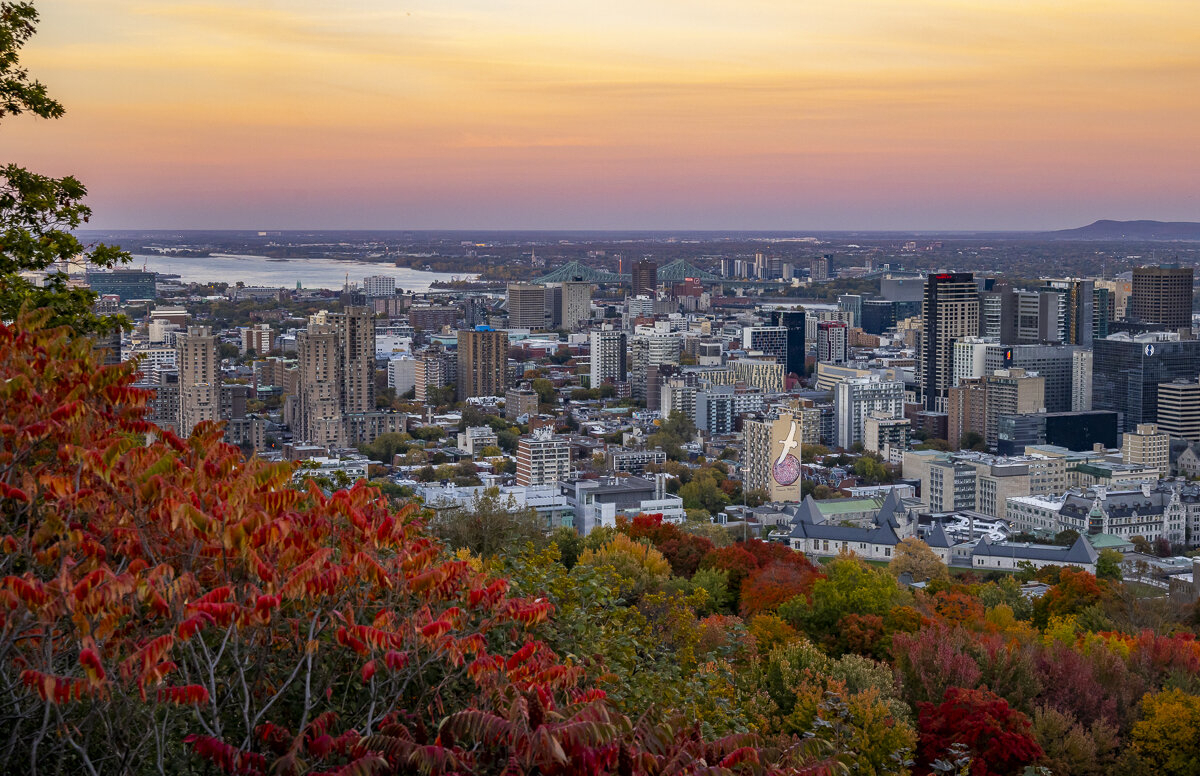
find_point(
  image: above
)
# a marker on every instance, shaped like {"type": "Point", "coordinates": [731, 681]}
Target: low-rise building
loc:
{"type": "Point", "coordinates": [599, 502]}
{"type": "Point", "coordinates": [819, 533]}
{"type": "Point", "coordinates": [520, 400]}
{"type": "Point", "coordinates": [476, 438]}
{"type": "Point", "coordinates": [1166, 510]}
{"type": "Point", "coordinates": [1013, 555]}
{"type": "Point", "coordinates": [623, 461]}
{"type": "Point", "coordinates": [546, 500]}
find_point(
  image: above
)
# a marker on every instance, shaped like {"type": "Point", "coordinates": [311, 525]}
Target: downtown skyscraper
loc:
{"type": "Point", "coordinates": [950, 312]}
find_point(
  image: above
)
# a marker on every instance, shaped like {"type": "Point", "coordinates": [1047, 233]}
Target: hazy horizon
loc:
{"type": "Point", "coordinates": [937, 115]}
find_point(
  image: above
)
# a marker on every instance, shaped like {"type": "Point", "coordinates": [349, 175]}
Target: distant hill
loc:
{"type": "Point", "coordinates": [1133, 230]}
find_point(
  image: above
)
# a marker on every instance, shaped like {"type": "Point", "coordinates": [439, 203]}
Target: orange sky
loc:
{"type": "Point", "coordinates": [798, 114]}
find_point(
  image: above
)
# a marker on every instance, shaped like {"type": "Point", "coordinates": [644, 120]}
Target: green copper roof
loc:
{"type": "Point", "coordinates": [843, 506]}
{"type": "Point", "coordinates": [1108, 541]}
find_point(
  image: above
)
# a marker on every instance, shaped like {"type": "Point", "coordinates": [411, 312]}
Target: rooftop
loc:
{"type": "Point", "coordinates": [843, 506]}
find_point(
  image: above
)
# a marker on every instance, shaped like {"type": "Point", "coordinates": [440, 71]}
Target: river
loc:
{"type": "Point", "coordinates": [261, 271]}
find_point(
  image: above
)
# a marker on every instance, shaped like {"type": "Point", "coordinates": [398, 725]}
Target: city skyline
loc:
{"type": "Point", "coordinates": [937, 115]}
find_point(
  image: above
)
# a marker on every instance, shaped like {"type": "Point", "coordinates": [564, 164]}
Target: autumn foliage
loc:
{"type": "Point", "coordinates": [997, 737]}
{"type": "Point", "coordinates": [163, 601]}
{"type": "Point", "coordinates": [774, 584]}
{"type": "Point", "coordinates": [165, 604]}
{"type": "Point", "coordinates": [683, 550]}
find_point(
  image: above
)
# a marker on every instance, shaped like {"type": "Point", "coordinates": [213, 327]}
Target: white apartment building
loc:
{"type": "Point", "coordinates": [402, 374]}
{"type": "Point", "coordinates": [543, 459]}
{"type": "Point", "coordinates": [608, 356]}
{"type": "Point", "coordinates": [151, 358]}
{"type": "Point", "coordinates": [856, 398]}
{"type": "Point", "coordinates": [476, 438]}
{"type": "Point", "coordinates": [651, 346]}
{"type": "Point", "coordinates": [970, 354]}
{"type": "Point", "coordinates": [379, 285]}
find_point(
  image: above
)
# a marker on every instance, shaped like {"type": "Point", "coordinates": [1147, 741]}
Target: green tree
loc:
{"type": "Point", "coordinates": [39, 213]}
{"type": "Point", "coordinates": [972, 440]}
{"type": "Point", "coordinates": [849, 587]}
{"type": "Point", "coordinates": [570, 544]}
{"type": "Point", "coordinates": [715, 584]}
{"type": "Point", "coordinates": [755, 497]}
{"type": "Point", "coordinates": [491, 526]}
{"type": "Point", "coordinates": [1108, 565]}
{"type": "Point", "coordinates": [545, 391]}
{"type": "Point", "coordinates": [427, 433]}
{"type": "Point", "coordinates": [679, 425]}
{"type": "Point", "coordinates": [703, 492]}
{"type": "Point", "coordinates": [385, 446]}
{"type": "Point", "coordinates": [1066, 537]}
{"type": "Point", "coordinates": [640, 567]}
{"type": "Point", "coordinates": [675, 431]}
{"type": "Point", "coordinates": [652, 667]}
{"type": "Point", "coordinates": [508, 439]}
{"type": "Point", "coordinates": [871, 469]}
{"type": "Point", "coordinates": [795, 683]}
{"type": "Point", "coordinates": [810, 453]}
{"type": "Point", "coordinates": [440, 396]}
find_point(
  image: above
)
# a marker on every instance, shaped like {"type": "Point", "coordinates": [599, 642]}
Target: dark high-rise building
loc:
{"type": "Point", "coordinates": [852, 303]}
{"type": "Point", "coordinates": [878, 315]}
{"type": "Point", "coordinates": [1072, 430]}
{"type": "Point", "coordinates": [656, 375]}
{"type": "Point", "coordinates": [125, 283]}
{"type": "Point", "coordinates": [1127, 370]}
{"type": "Point", "coordinates": [793, 320]}
{"type": "Point", "coordinates": [1081, 312]}
{"type": "Point", "coordinates": [950, 311]}
{"type": "Point", "coordinates": [1103, 312]}
{"type": "Point", "coordinates": [645, 277]}
{"type": "Point", "coordinates": [1162, 295]}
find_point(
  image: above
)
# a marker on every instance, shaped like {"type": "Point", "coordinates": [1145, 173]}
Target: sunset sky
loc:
{"type": "Point", "coordinates": [759, 114]}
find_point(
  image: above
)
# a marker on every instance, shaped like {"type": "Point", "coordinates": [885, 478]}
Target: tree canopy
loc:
{"type": "Point", "coordinates": [38, 213]}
